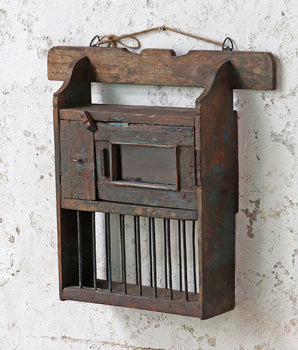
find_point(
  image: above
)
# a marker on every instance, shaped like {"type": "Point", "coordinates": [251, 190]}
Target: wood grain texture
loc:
{"type": "Point", "coordinates": [77, 161]}
{"type": "Point", "coordinates": [152, 115]}
{"type": "Point", "coordinates": [143, 134]}
{"type": "Point", "coordinates": [129, 209]}
{"type": "Point", "coordinates": [76, 88]}
{"type": "Point", "coordinates": [250, 70]}
{"type": "Point", "coordinates": [147, 196]}
{"type": "Point", "coordinates": [218, 178]}
{"type": "Point", "coordinates": [180, 307]}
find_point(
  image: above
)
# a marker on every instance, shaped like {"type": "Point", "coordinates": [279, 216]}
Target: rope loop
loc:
{"type": "Point", "coordinates": [113, 40]}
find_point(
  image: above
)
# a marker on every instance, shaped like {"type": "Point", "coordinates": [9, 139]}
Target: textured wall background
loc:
{"type": "Point", "coordinates": [31, 316]}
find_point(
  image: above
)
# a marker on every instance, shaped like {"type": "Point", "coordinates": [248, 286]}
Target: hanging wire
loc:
{"type": "Point", "coordinates": [113, 40]}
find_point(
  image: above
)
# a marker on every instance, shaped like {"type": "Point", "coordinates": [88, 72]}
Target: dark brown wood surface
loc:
{"type": "Point", "coordinates": [129, 209]}
{"type": "Point", "coordinates": [218, 178]}
{"type": "Point", "coordinates": [76, 88]}
{"type": "Point", "coordinates": [180, 307]}
{"type": "Point", "coordinates": [147, 196]}
{"type": "Point", "coordinates": [145, 134]}
{"type": "Point", "coordinates": [251, 70]}
{"type": "Point", "coordinates": [102, 154]}
{"type": "Point", "coordinates": [77, 161]}
{"type": "Point", "coordinates": [147, 291]}
{"type": "Point", "coordinates": [151, 115]}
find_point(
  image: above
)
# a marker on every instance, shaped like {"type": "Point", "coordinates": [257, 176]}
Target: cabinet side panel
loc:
{"type": "Point", "coordinates": [218, 153]}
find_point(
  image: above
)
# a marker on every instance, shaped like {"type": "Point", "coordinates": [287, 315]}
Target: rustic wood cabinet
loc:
{"type": "Point", "coordinates": [175, 164]}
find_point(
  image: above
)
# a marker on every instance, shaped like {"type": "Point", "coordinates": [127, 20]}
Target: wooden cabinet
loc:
{"type": "Point", "coordinates": [134, 162]}
{"type": "Point", "coordinates": [172, 171]}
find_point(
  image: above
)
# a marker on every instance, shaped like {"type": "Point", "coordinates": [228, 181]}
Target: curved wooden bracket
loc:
{"type": "Point", "coordinates": [75, 90]}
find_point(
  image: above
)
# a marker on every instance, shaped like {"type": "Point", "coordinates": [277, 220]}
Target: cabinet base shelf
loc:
{"type": "Point", "coordinates": [146, 301]}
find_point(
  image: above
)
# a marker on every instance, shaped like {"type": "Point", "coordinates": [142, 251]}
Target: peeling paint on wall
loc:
{"type": "Point", "coordinates": [252, 216]}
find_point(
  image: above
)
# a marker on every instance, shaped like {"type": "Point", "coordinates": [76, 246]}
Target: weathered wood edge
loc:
{"type": "Point", "coordinates": [190, 308]}
{"type": "Point", "coordinates": [218, 177]}
{"type": "Point", "coordinates": [75, 89]}
{"type": "Point", "coordinates": [128, 209]}
{"type": "Point", "coordinates": [251, 70]}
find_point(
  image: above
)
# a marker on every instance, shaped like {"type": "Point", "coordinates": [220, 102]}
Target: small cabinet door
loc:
{"type": "Point", "coordinates": [146, 164]}
{"type": "Point", "coordinates": [77, 161]}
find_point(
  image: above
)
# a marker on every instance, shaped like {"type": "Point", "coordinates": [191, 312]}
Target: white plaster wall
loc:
{"type": "Point", "coordinates": [31, 315]}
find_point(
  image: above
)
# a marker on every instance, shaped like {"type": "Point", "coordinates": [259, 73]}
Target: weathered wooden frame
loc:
{"type": "Point", "coordinates": [216, 158]}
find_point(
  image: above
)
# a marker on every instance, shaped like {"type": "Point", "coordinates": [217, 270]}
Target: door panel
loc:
{"type": "Point", "coordinates": [147, 165]}
{"type": "Point", "coordinates": [77, 161]}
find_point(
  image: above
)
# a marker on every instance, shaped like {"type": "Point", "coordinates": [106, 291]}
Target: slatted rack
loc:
{"type": "Point", "coordinates": [170, 174]}
{"type": "Point", "coordinates": [186, 290]}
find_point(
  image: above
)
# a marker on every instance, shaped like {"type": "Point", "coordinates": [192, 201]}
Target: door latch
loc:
{"type": "Point", "coordinates": [88, 121]}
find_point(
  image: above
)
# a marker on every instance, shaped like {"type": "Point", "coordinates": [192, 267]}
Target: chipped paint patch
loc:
{"type": "Point", "coordinates": [286, 139]}
{"type": "Point", "coordinates": [252, 216]}
{"type": "Point", "coordinates": [218, 169]}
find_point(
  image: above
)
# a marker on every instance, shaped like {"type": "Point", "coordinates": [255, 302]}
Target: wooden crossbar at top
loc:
{"type": "Point", "coordinates": [251, 70]}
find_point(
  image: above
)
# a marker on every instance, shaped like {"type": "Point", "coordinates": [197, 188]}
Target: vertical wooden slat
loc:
{"type": "Point", "coordinates": [185, 260]}
{"type": "Point", "coordinates": [79, 237]}
{"type": "Point", "coordinates": [123, 254]}
{"type": "Point", "coordinates": [136, 249]}
{"type": "Point", "coordinates": [139, 254]}
{"type": "Point", "coordinates": [165, 252]}
{"type": "Point", "coordinates": [169, 258]}
{"type": "Point", "coordinates": [180, 257]}
{"type": "Point", "coordinates": [154, 257]}
{"type": "Point", "coordinates": [94, 249]}
{"type": "Point", "coordinates": [150, 251]}
{"type": "Point", "coordinates": [108, 235]}
{"type": "Point", "coordinates": [107, 248]}
{"type": "Point", "coordinates": [236, 162]}
{"type": "Point", "coordinates": [194, 256]}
